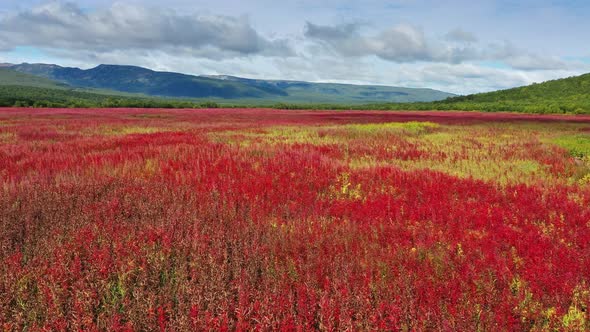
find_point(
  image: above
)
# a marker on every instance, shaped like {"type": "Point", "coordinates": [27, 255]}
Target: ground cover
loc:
{"type": "Point", "coordinates": [240, 219]}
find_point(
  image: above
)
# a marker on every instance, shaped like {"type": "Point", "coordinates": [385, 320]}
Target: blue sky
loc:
{"type": "Point", "coordinates": [458, 46]}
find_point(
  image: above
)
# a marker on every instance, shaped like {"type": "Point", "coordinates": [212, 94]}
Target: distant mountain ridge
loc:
{"type": "Point", "coordinates": [17, 88]}
{"type": "Point", "coordinates": [139, 80]}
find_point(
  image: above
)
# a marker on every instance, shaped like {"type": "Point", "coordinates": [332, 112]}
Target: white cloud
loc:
{"type": "Point", "coordinates": [534, 62]}
{"type": "Point", "coordinates": [460, 35]}
{"type": "Point", "coordinates": [405, 43]}
{"type": "Point", "coordinates": [274, 42]}
{"type": "Point", "coordinates": [402, 43]}
{"type": "Point", "coordinates": [58, 25]}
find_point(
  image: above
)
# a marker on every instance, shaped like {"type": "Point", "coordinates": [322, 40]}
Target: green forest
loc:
{"type": "Point", "coordinates": [27, 96]}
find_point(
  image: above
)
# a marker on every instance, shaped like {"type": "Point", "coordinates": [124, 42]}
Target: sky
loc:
{"type": "Point", "coordinates": [459, 46]}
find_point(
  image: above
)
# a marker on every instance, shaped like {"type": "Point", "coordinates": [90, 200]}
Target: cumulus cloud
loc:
{"type": "Point", "coordinates": [460, 35]}
{"type": "Point", "coordinates": [124, 26]}
{"type": "Point", "coordinates": [401, 43]}
{"type": "Point", "coordinates": [405, 43]}
{"type": "Point", "coordinates": [206, 43]}
{"type": "Point", "coordinates": [462, 78]}
{"type": "Point", "coordinates": [332, 33]}
{"type": "Point", "coordinates": [535, 62]}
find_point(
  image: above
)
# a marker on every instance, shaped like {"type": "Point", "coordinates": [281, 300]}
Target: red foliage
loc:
{"type": "Point", "coordinates": [173, 230]}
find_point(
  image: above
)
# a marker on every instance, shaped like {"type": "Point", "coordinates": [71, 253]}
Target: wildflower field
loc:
{"type": "Point", "coordinates": [253, 219]}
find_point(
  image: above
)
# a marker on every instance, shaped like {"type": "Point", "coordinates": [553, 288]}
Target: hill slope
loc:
{"type": "Point", "coordinates": [133, 79]}
{"type": "Point", "coordinates": [11, 77]}
{"type": "Point", "coordinates": [557, 96]}
{"type": "Point", "coordinates": [567, 95]}
{"type": "Point", "coordinates": [571, 87]}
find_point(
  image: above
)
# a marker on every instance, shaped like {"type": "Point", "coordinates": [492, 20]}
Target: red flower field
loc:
{"type": "Point", "coordinates": [236, 219]}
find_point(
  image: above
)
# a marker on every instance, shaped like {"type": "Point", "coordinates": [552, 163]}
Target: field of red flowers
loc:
{"type": "Point", "coordinates": [178, 220]}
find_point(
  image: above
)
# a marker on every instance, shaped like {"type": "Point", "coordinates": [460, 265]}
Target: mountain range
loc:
{"type": "Point", "coordinates": [43, 85]}
{"type": "Point", "coordinates": [146, 82]}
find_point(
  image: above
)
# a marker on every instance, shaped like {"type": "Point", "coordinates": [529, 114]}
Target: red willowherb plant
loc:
{"type": "Point", "coordinates": [240, 219]}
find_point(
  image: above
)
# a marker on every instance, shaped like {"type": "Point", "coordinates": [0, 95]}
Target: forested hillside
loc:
{"type": "Point", "coordinates": [569, 95]}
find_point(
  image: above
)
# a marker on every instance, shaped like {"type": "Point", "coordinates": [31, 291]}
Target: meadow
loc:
{"type": "Point", "coordinates": [260, 219]}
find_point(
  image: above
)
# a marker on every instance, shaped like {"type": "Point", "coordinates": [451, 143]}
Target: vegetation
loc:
{"type": "Point", "coordinates": [27, 96]}
{"type": "Point", "coordinates": [257, 219]}
{"type": "Point", "coordinates": [578, 145]}
{"type": "Point", "coordinates": [11, 77]}
{"type": "Point", "coordinates": [565, 96]}
{"type": "Point", "coordinates": [570, 95]}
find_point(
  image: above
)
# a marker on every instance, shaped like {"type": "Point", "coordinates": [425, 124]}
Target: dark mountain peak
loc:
{"type": "Point", "coordinates": [121, 68]}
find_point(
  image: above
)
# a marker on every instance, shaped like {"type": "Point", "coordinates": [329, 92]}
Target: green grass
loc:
{"type": "Point", "coordinates": [14, 78]}
{"type": "Point", "coordinates": [27, 96]}
{"type": "Point", "coordinates": [577, 145]}
{"type": "Point", "coordinates": [412, 127]}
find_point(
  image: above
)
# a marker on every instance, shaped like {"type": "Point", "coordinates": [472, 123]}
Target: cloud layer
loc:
{"type": "Point", "coordinates": [286, 41]}
{"type": "Point", "coordinates": [405, 43]}
{"type": "Point", "coordinates": [128, 27]}
{"type": "Point", "coordinates": [400, 43]}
